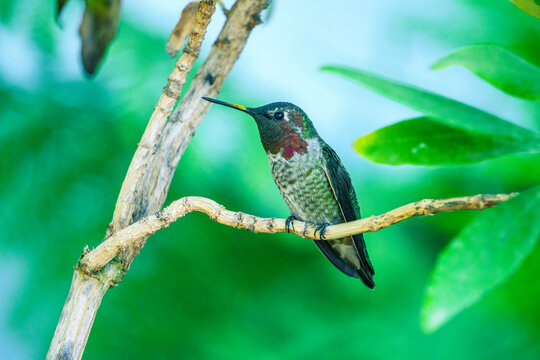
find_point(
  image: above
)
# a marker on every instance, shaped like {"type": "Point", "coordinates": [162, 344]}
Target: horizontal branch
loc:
{"type": "Point", "coordinates": [108, 249]}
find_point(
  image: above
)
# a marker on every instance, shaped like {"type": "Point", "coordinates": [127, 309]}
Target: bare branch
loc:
{"type": "Point", "coordinates": [151, 168]}
{"type": "Point", "coordinates": [86, 292]}
{"type": "Point", "coordinates": [108, 249]}
{"type": "Point", "coordinates": [182, 29]}
{"type": "Point", "coordinates": [126, 205]}
{"type": "Point", "coordinates": [149, 185]}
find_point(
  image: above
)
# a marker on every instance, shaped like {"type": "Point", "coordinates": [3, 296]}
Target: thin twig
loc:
{"type": "Point", "coordinates": [108, 249]}
{"type": "Point", "coordinates": [223, 8]}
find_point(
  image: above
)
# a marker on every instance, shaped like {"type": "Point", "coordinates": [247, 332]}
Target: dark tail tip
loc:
{"type": "Point", "coordinates": [366, 279]}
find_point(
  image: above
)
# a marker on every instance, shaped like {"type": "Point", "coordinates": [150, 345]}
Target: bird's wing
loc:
{"type": "Point", "coordinates": [343, 191]}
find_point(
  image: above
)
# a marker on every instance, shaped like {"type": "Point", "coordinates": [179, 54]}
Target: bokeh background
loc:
{"type": "Point", "coordinates": [200, 290]}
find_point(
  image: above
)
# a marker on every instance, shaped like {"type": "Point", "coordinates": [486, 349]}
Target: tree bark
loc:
{"type": "Point", "coordinates": [152, 167]}
{"type": "Point", "coordinates": [107, 250]}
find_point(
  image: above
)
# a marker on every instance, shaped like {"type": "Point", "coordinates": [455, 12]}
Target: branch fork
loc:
{"type": "Point", "coordinates": [147, 181]}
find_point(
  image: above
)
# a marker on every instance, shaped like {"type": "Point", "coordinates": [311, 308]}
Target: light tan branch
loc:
{"type": "Point", "coordinates": [147, 182]}
{"type": "Point", "coordinates": [126, 205]}
{"type": "Point", "coordinates": [108, 249]}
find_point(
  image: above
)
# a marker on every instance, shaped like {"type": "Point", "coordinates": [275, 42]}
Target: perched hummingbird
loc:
{"type": "Point", "coordinates": [312, 180]}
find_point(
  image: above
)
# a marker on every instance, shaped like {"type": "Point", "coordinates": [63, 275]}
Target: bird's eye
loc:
{"type": "Point", "coordinates": [278, 115]}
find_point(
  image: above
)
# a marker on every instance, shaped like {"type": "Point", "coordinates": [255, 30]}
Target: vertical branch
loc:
{"type": "Point", "coordinates": [128, 205]}
{"type": "Point", "coordinates": [77, 316]}
{"type": "Point", "coordinates": [87, 290]}
{"type": "Point", "coordinates": [242, 18]}
{"type": "Point", "coordinates": [147, 182]}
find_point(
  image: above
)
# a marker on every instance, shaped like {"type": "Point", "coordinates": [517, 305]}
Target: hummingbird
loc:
{"type": "Point", "coordinates": [312, 181]}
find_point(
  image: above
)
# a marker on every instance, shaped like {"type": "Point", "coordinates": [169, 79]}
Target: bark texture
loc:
{"type": "Point", "coordinates": [151, 170]}
{"type": "Point", "coordinates": [108, 249]}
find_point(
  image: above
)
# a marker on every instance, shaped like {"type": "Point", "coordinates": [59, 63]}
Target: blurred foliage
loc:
{"type": "Point", "coordinates": [498, 66]}
{"type": "Point", "coordinates": [489, 250]}
{"type": "Point", "coordinates": [447, 111]}
{"type": "Point", "coordinates": [529, 6]}
{"type": "Point", "coordinates": [203, 290]}
{"type": "Point", "coordinates": [485, 254]}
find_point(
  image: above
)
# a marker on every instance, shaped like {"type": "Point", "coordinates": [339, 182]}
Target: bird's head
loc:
{"type": "Point", "coordinates": [284, 127]}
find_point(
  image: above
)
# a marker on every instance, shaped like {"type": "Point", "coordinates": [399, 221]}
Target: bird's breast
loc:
{"type": "Point", "coordinates": [304, 186]}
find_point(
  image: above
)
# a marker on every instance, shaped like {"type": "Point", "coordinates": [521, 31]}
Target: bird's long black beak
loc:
{"type": "Point", "coordinates": [234, 106]}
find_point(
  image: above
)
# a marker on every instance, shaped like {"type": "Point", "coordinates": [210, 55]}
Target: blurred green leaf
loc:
{"type": "Point", "coordinates": [485, 254]}
{"type": "Point", "coordinates": [423, 141]}
{"type": "Point", "coordinates": [529, 6]}
{"type": "Point", "coordinates": [6, 10]}
{"type": "Point", "coordinates": [498, 66]}
{"type": "Point", "coordinates": [439, 108]}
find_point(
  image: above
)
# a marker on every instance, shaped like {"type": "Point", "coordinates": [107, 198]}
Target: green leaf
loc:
{"type": "Point", "coordinates": [531, 7]}
{"type": "Point", "coordinates": [485, 254]}
{"type": "Point", "coordinates": [440, 108]}
{"type": "Point", "coordinates": [498, 66]}
{"type": "Point", "coordinates": [423, 141]}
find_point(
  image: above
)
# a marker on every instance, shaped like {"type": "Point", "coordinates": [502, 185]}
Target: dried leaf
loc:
{"type": "Point", "coordinates": [98, 28]}
{"type": "Point", "coordinates": [181, 30]}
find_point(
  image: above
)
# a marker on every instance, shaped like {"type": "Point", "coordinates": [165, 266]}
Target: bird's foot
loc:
{"type": "Point", "coordinates": [322, 230]}
{"type": "Point", "coordinates": [289, 222]}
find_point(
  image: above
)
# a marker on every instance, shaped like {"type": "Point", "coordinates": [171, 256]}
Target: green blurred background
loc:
{"type": "Point", "coordinates": [203, 290]}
